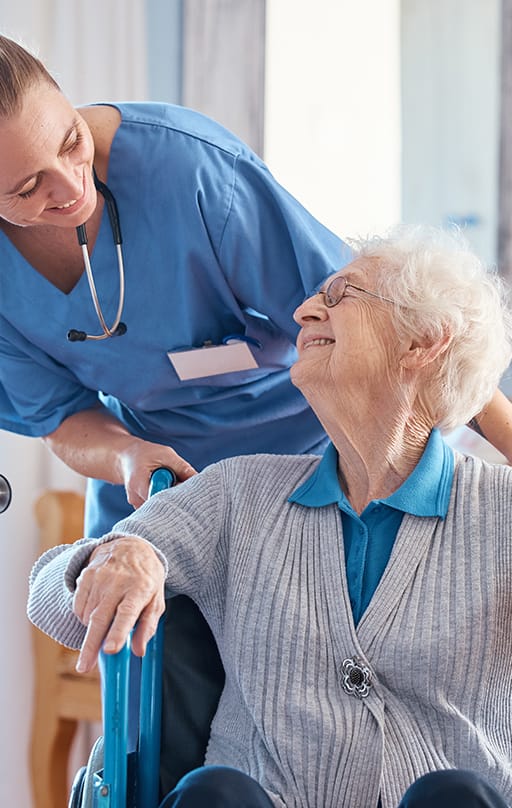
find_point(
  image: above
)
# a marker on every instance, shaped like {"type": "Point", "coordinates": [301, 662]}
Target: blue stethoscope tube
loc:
{"type": "Point", "coordinates": [118, 328]}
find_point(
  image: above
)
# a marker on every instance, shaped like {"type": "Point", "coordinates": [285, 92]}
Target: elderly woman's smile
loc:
{"type": "Point", "coordinates": [308, 342]}
{"type": "Point", "coordinates": [346, 333]}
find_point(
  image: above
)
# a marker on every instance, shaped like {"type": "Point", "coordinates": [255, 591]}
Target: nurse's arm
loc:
{"type": "Point", "coordinates": [494, 423]}
{"type": "Point", "coordinates": [94, 443]}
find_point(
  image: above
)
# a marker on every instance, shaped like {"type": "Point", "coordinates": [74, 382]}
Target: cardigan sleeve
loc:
{"type": "Point", "coordinates": [183, 526]}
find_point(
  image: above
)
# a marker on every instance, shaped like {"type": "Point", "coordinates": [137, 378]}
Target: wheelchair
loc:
{"type": "Point", "coordinates": [140, 756]}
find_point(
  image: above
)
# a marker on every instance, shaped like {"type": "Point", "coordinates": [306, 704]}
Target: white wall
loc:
{"type": "Point", "coordinates": [22, 462]}
{"type": "Point", "coordinates": [332, 128]}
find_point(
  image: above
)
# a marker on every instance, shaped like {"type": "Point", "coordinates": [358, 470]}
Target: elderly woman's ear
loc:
{"type": "Point", "coordinates": [422, 352]}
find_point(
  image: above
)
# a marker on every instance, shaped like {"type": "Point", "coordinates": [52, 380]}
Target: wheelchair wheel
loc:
{"type": "Point", "coordinates": [77, 789]}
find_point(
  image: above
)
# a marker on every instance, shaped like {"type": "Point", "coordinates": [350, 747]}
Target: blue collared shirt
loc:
{"type": "Point", "coordinates": [369, 537]}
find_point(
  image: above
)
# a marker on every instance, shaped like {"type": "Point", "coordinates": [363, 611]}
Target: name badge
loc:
{"type": "Point", "coordinates": [212, 360]}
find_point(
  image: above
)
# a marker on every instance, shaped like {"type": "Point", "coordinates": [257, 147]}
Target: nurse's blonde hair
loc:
{"type": "Point", "coordinates": [19, 71]}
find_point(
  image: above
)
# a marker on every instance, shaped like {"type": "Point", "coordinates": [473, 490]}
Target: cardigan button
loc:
{"type": "Point", "coordinates": [356, 678]}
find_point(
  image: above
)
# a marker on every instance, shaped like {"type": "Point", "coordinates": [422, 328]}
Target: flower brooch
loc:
{"type": "Point", "coordinates": [356, 678]}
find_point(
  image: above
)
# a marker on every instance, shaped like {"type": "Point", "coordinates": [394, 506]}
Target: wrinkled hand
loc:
{"type": "Point", "coordinates": [140, 458]}
{"type": "Point", "coordinates": [122, 585]}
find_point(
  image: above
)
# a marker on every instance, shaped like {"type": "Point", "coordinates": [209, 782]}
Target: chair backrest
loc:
{"type": "Point", "coordinates": [62, 697]}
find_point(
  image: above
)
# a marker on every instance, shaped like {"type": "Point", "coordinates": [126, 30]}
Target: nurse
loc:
{"type": "Point", "coordinates": [216, 256]}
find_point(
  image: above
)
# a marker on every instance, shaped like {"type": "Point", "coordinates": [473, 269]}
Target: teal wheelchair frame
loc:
{"type": "Point", "coordinates": [108, 780]}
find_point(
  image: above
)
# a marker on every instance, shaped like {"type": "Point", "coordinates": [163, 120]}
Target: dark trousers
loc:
{"type": "Point", "coordinates": [223, 787]}
{"type": "Point", "coordinates": [192, 681]}
{"type": "Point", "coordinates": [453, 788]}
{"type": "Point", "coordinates": [217, 787]}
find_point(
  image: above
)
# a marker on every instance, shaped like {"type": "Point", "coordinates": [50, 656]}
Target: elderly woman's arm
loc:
{"type": "Point", "coordinates": [97, 590]}
{"type": "Point", "coordinates": [495, 424]}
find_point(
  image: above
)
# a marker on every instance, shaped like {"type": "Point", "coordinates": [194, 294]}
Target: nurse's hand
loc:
{"type": "Point", "coordinates": [140, 459]}
{"type": "Point", "coordinates": [494, 424]}
{"type": "Point", "coordinates": [94, 443]}
{"type": "Point", "coordinates": [122, 585]}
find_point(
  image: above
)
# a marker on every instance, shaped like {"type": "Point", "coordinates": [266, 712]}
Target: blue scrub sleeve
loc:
{"type": "Point", "coordinates": [36, 392]}
{"type": "Point", "coordinates": [273, 250]}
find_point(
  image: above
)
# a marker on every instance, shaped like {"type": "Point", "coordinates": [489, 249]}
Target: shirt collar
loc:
{"type": "Point", "coordinates": [426, 492]}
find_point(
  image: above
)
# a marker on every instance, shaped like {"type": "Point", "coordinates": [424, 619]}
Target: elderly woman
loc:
{"type": "Point", "coordinates": [361, 602]}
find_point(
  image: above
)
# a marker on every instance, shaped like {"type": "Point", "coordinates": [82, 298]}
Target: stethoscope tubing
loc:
{"type": "Point", "coordinates": [107, 332]}
{"type": "Point", "coordinates": [117, 328]}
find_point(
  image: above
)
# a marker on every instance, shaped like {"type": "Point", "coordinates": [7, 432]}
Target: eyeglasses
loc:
{"type": "Point", "coordinates": [335, 292]}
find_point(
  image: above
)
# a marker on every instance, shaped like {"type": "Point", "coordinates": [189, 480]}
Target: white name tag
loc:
{"type": "Point", "coordinates": [212, 360]}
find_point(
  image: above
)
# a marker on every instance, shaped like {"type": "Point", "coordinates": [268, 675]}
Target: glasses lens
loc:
{"type": "Point", "coordinates": [335, 291]}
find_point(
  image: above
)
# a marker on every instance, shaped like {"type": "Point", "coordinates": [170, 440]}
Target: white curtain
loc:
{"type": "Point", "coordinates": [224, 63]}
{"type": "Point", "coordinates": [97, 52]}
{"type": "Point", "coordinates": [96, 49]}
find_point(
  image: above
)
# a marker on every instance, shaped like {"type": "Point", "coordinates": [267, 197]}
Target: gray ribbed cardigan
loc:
{"type": "Point", "coordinates": [269, 575]}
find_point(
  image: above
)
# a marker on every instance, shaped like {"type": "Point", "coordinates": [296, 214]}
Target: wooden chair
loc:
{"type": "Point", "coordinates": [62, 696]}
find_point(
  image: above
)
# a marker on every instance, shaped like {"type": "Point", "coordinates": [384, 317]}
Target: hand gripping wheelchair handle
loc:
{"type": "Point", "coordinates": [110, 790]}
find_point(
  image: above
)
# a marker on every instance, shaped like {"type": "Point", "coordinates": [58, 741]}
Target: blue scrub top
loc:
{"type": "Point", "coordinates": [369, 537]}
{"type": "Point", "coordinates": [213, 246]}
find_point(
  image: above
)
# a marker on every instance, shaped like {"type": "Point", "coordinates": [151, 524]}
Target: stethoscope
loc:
{"type": "Point", "coordinates": [5, 493]}
{"type": "Point", "coordinates": [117, 329]}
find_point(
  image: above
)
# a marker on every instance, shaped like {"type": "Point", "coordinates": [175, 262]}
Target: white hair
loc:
{"type": "Point", "coordinates": [441, 287]}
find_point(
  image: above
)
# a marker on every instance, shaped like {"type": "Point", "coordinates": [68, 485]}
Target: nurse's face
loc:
{"type": "Point", "coordinates": [46, 155]}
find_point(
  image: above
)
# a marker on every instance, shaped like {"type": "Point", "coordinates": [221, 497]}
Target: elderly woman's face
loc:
{"type": "Point", "coordinates": [349, 344]}
{"type": "Point", "coordinates": [46, 154]}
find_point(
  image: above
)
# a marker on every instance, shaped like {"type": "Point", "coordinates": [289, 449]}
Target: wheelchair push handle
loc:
{"type": "Point", "coordinates": [161, 479]}
{"type": "Point", "coordinates": [111, 789]}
